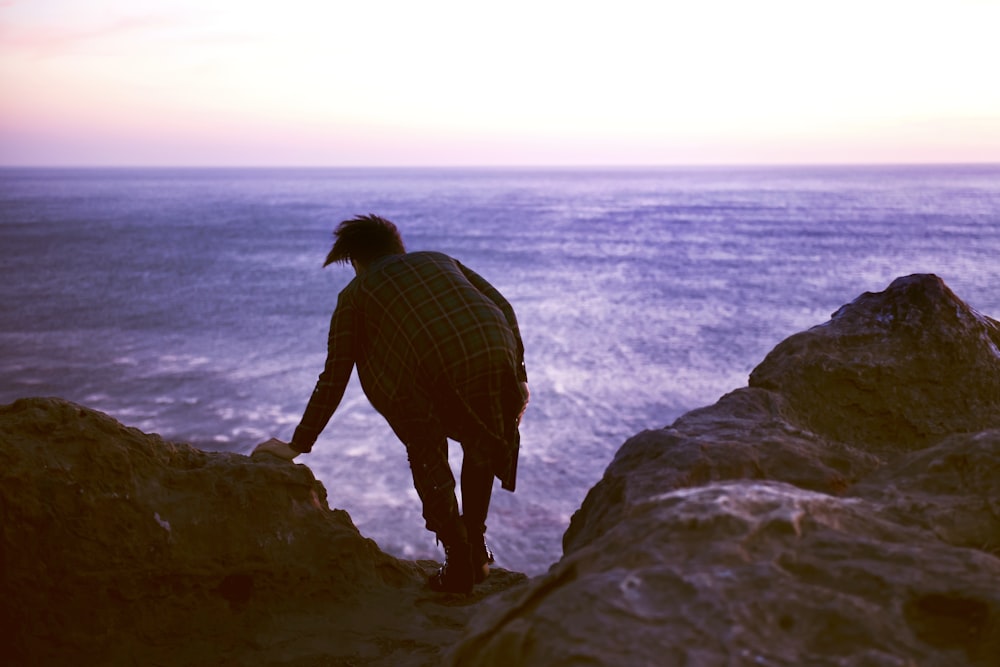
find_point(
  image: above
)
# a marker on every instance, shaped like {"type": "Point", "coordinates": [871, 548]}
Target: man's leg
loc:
{"type": "Point", "coordinates": [477, 418]}
{"type": "Point", "coordinates": [434, 482]}
{"type": "Point", "coordinates": [478, 470]}
{"type": "Point", "coordinates": [435, 485]}
{"type": "Point", "coordinates": [477, 489]}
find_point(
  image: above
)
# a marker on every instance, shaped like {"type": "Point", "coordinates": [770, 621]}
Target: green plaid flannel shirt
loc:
{"type": "Point", "coordinates": [411, 322]}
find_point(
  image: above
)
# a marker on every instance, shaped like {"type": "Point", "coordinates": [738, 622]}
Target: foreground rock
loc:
{"type": "Point", "coordinates": [843, 509]}
{"type": "Point", "coordinates": [119, 548]}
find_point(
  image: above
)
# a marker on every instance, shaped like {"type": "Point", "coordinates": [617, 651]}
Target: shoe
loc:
{"type": "Point", "coordinates": [456, 575]}
{"type": "Point", "coordinates": [482, 557]}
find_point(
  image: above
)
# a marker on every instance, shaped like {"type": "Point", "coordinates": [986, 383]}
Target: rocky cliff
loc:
{"type": "Point", "coordinates": [118, 548]}
{"type": "Point", "coordinates": [842, 509]}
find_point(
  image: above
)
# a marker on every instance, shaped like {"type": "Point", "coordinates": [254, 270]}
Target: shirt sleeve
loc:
{"type": "Point", "coordinates": [496, 297]}
{"type": "Point", "coordinates": [333, 380]}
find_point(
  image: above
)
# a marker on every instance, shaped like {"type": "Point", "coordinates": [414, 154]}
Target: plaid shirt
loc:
{"type": "Point", "coordinates": [412, 323]}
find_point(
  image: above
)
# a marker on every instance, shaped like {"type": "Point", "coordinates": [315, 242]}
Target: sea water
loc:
{"type": "Point", "coordinates": [193, 303]}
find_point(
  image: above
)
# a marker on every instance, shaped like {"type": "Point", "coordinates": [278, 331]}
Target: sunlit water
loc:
{"type": "Point", "coordinates": [192, 303]}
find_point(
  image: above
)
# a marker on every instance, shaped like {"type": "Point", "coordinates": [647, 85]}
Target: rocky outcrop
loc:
{"type": "Point", "coordinates": [896, 370]}
{"type": "Point", "coordinates": [843, 509]}
{"type": "Point", "coordinates": [119, 548]}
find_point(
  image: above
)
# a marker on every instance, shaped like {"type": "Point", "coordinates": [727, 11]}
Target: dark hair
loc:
{"type": "Point", "coordinates": [364, 238]}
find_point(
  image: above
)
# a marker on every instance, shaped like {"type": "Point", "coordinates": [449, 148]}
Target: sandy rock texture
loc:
{"type": "Point", "coordinates": [843, 509]}
{"type": "Point", "coordinates": [119, 548]}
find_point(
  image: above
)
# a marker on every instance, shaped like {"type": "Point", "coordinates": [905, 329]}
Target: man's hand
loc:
{"type": "Point", "coordinates": [277, 448]}
{"type": "Point", "coordinates": [526, 396]}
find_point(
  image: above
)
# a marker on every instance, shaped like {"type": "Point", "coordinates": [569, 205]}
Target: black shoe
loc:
{"type": "Point", "coordinates": [456, 575]}
{"type": "Point", "coordinates": [482, 557]}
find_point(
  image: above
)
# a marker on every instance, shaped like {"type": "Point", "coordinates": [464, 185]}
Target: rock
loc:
{"type": "Point", "coordinates": [901, 368]}
{"type": "Point", "coordinates": [842, 509]}
{"type": "Point", "coordinates": [117, 547]}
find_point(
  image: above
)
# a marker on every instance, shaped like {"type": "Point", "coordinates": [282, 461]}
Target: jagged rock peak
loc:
{"type": "Point", "coordinates": [899, 368]}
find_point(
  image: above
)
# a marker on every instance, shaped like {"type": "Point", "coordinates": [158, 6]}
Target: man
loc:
{"type": "Point", "coordinates": [439, 355]}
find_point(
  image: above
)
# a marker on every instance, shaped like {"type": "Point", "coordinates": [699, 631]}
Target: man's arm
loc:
{"type": "Point", "coordinates": [333, 380]}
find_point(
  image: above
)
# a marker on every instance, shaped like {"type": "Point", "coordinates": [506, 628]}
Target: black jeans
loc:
{"type": "Point", "coordinates": [482, 416]}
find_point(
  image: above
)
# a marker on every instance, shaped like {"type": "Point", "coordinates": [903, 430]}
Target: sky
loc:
{"type": "Point", "coordinates": [517, 83]}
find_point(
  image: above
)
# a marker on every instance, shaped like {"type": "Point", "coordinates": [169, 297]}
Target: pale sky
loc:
{"type": "Point", "coordinates": [520, 82]}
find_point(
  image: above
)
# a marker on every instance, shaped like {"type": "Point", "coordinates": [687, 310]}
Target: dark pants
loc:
{"type": "Point", "coordinates": [482, 416]}
{"type": "Point", "coordinates": [435, 484]}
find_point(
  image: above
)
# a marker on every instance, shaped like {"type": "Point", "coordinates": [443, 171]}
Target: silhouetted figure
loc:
{"type": "Point", "coordinates": [439, 355]}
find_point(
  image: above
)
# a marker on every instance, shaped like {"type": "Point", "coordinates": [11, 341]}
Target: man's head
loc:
{"type": "Point", "coordinates": [364, 239]}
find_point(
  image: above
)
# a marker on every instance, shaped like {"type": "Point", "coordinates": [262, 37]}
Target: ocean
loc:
{"type": "Point", "coordinates": [193, 303]}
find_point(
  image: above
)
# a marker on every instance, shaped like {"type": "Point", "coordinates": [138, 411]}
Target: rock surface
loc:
{"type": "Point", "coordinates": [118, 548]}
{"type": "Point", "coordinates": [843, 509]}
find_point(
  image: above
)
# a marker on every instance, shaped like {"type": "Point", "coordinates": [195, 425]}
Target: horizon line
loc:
{"type": "Point", "coordinates": [570, 166]}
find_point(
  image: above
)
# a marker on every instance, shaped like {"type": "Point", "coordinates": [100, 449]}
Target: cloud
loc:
{"type": "Point", "coordinates": [54, 40]}
{"type": "Point", "coordinates": [127, 36]}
